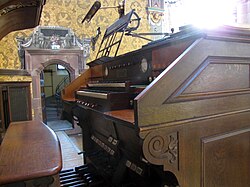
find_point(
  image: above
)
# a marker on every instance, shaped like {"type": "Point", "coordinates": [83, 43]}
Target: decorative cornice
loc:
{"type": "Point", "coordinates": [10, 8]}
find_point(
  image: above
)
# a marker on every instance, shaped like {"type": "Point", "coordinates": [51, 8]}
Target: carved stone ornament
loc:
{"type": "Point", "coordinates": [161, 148]}
{"type": "Point", "coordinates": [53, 38]}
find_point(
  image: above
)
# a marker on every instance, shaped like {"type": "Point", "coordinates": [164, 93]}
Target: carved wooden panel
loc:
{"type": "Point", "coordinates": [219, 77]}
{"type": "Point", "coordinates": [226, 159]}
{"type": "Point", "coordinates": [210, 78]}
{"type": "Point", "coordinates": [162, 148]}
{"type": "Point", "coordinates": [215, 77]}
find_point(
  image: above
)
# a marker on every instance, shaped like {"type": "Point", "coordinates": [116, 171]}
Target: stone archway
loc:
{"type": "Point", "coordinates": [36, 84]}
{"type": "Point", "coordinates": [37, 60]}
{"type": "Point", "coordinates": [51, 45]}
{"type": "Point", "coordinates": [67, 65]}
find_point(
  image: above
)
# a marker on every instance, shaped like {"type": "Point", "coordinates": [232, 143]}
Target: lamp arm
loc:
{"type": "Point", "coordinates": [138, 36]}
{"type": "Point", "coordinates": [106, 7]}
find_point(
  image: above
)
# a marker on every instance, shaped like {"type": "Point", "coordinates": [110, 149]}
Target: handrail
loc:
{"type": "Point", "coordinates": [59, 88]}
{"type": "Point", "coordinates": [61, 85]}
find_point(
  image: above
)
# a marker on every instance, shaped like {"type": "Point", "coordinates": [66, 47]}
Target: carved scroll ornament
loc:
{"type": "Point", "coordinates": [161, 148]}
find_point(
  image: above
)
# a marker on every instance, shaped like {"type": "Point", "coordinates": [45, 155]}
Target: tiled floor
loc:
{"type": "Point", "coordinates": [71, 145]}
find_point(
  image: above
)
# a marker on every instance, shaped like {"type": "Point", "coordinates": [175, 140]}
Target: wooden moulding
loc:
{"type": "Point", "coordinates": [18, 15]}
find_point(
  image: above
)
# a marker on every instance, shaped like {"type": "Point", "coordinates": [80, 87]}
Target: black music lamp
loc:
{"type": "Point", "coordinates": [97, 5]}
{"type": "Point", "coordinates": [92, 11]}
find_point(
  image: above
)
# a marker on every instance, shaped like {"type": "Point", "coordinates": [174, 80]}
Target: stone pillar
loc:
{"type": "Point", "coordinates": [36, 99]}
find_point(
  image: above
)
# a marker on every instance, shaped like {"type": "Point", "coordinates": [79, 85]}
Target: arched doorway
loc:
{"type": "Point", "coordinates": [41, 51]}
{"type": "Point", "coordinates": [54, 75]}
{"type": "Point", "coordinates": [54, 78]}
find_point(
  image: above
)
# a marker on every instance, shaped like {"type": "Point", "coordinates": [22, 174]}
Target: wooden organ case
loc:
{"type": "Point", "coordinates": [174, 113]}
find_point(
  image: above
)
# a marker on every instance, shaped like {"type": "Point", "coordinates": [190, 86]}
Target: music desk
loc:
{"type": "Point", "coordinates": [30, 155]}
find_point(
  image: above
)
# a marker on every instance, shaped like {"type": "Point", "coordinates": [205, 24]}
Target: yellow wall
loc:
{"type": "Point", "coordinates": [12, 78]}
{"type": "Point", "coordinates": [69, 13]}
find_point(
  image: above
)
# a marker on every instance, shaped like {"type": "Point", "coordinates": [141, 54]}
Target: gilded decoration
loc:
{"type": "Point", "coordinates": [69, 13]}
{"type": "Point", "coordinates": [155, 11]}
{"type": "Point", "coordinates": [162, 148]}
{"type": "Point", "coordinates": [14, 78]}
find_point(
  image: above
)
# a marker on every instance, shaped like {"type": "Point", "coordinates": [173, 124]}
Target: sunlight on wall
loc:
{"type": "Point", "coordinates": [209, 14]}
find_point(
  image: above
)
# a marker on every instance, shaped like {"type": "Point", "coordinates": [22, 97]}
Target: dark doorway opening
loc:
{"type": "Point", "coordinates": [53, 79]}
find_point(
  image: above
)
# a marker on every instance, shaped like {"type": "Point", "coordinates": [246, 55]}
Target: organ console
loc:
{"type": "Point", "coordinates": [174, 113]}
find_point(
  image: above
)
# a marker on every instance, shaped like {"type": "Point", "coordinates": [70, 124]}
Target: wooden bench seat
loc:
{"type": "Point", "coordinates": [30, 151]}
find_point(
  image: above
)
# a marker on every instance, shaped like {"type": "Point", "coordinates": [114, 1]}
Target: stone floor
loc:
{"type": "Point", "coordinates": [71, 145]}
{"type": "Point", "coordinates": [70, 137]}
{"type": "Point", "coordinates": [71, 142]}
